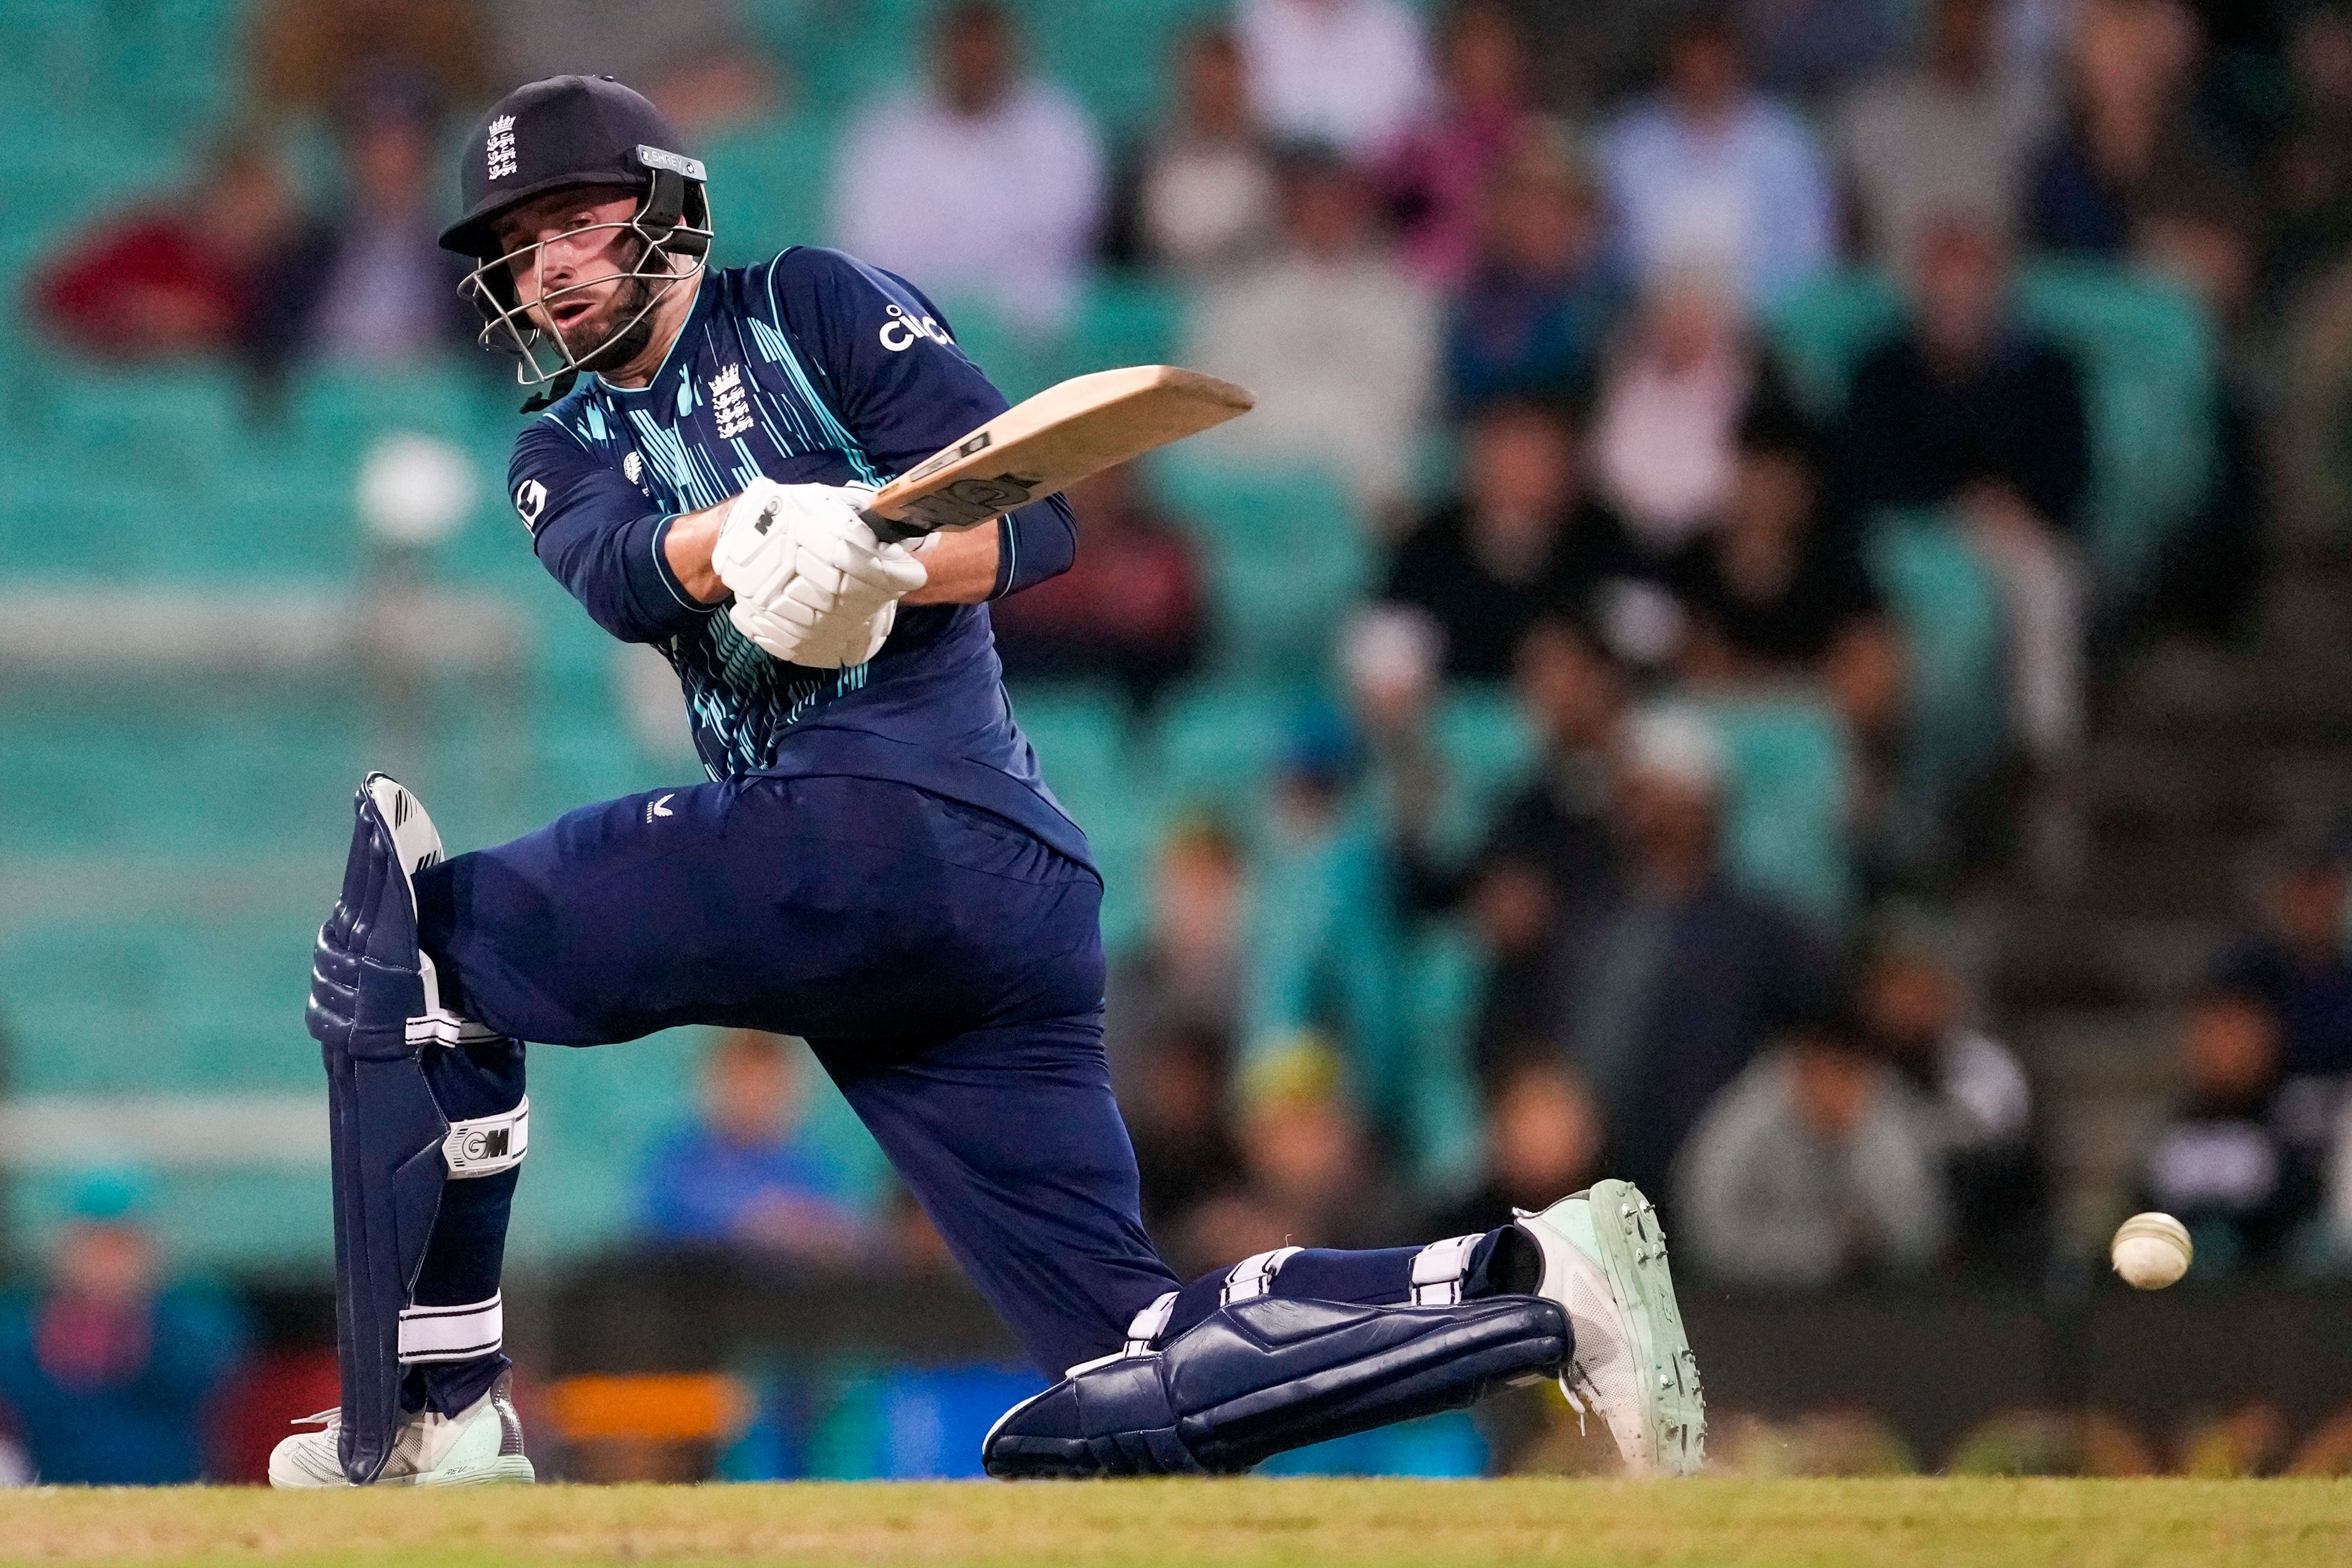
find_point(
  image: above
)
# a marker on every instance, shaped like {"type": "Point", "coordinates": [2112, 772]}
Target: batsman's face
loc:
{"type": "Point", "coordinates": [570, 255]}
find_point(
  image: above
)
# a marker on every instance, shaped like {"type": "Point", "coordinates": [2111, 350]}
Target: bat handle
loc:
{"type": "Point", "coordinates": [891, 529]}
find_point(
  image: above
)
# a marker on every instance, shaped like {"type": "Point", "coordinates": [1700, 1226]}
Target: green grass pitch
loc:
{"type": "Point", "coordinates": [1229, 1523]}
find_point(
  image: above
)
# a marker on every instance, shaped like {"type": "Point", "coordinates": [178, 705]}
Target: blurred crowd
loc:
{"type": "Point", "coordinates": [1509, 269]}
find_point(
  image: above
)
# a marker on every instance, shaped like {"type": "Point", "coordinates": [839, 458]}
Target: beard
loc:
{"type": "Point", "coordinates": [611, 337]}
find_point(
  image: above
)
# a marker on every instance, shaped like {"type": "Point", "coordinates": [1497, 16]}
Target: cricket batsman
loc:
{"type": "Point", "coordinates": [874, 865]}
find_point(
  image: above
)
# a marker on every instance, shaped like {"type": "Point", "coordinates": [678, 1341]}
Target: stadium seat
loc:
{"type": "Point", "coordinates": [1444, 977]}
{"type": "Point", "coordinates": [1124, 319]}
{"type": "Point", "coordinates": [1081, 734]}
{"type": "Point", "coordinates": [1483, 738]}
{"type": "Point", "coordinates": [1788, 831]}
{"type": "Point", "coordinates": [770, 184]}
{"type": "Point", "coordinates": [1287, 558]}
{"type": "Point", "coordinates": [1218, 744]}
{"type": "Point", "coordinates": [1942, 594]}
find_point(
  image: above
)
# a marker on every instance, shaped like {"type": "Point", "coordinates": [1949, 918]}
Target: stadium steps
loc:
{"type": "Point", "coordinates": [2200, 757]}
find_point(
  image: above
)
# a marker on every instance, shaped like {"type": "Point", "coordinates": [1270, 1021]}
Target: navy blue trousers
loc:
{"type": "Point", "coordinates": [944, 965]}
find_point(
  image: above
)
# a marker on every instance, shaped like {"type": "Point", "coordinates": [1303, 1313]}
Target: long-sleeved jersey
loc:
{"type": "Point", "coordinates": [810, 369]}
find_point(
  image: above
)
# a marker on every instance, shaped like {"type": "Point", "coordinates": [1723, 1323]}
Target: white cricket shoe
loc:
{"type": "Point", "coordinates": [480, 1444]}
{"type": "Point", "coordinates": [1604, 1261]}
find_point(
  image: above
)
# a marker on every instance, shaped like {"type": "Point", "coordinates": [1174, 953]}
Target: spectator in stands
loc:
{"type": "Point", "coordinates": [1525, 540]}
{"type": "Point", "coordinates": [1672, 395]}
{"type": "Point", "coordinates": [1970, 410]}
{"type": "Point", "coordinates": [1710, 175]}
{"type": "Point", "coordinates": [1177, 1112]}
{"type": "Point", "coordinates": [2309, 184]}
{"type": "Point", "coordinates": [2221, 1164]}
{"type": "Point", "coordinates": [2296, 961]}
{"type": "Point", "coordinates": [108, 1369]}
{"type": "Point", "coordinates": [1980, 1102]}
{"type": "Point", "coordinates": [2130, 128]}
{"type": "Point", "coordinates": [1202, 199]}
{"type": "Point", "coordinates": [1953, 134]}
{"type": "Point", "coordinates": [1778, 590]}
{"type": "Point", "coordinates": [696, 59]}
{"type": "Point", "coordinates": [1573, 696]}
{"type": "Point", "coordinates": [1310, 1178]}
{"type": "Point", "coordinates": [1389, 659]}
{"type": "Point", "coordinates": [1817, 1167]}
{"type": "Point", "coordinates": [1667, 976]}
{"type": "Point", "coordinates": [2208, 578]}
{"type": "Point", "coordinates": [1436, 174]}
{"type": "Point", "coordinates": [370, 285]}
{"type": "Point", "coordinates": [1348, 73]}
{"type": "Point", "coordinates": [1528, 319]}
{"type": "Point", "coordinates": [1338, 341]}
{"type": "Point", "coordinates": [1543, 1141]}
{"type": "Point", "coordinates": [1131, 610]}
{"type": "Point", "coordinates": [746, 1174]}
{"type": "Point", "coordinates": [987, 186]}
{"type": "Point", "coordinates": [316, 56]}
{"type": "Point", "coordinates": [1184, 980]}
{"type": "Point", "coordinates": [177, 279]}
{"type": "Point", "coordinates": [1512, 907]}
{"type": "Point", "coordinates": [1321, 949]}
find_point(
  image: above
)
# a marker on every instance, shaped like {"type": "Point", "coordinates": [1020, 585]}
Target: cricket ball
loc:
{"type": "Point", "coordinates": [2151, 1251]}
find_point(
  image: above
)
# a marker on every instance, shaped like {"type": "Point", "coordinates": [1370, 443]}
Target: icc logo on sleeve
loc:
{"type": "Point", "coordinates": [531, 499]}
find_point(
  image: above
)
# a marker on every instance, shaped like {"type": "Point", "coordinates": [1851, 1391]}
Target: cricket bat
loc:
{"type": "Point", "coordinates": [1072, 429]}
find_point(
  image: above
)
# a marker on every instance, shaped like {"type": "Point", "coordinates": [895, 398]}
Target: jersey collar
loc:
{"type": "Point", "coordinates": [666, 378]}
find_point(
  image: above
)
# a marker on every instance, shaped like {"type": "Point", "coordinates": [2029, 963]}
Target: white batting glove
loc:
{"type": "Point", "coordinates": [813, 585]}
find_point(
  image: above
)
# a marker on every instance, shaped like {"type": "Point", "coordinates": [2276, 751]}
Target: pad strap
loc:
{"type": "Point", "coordinates": [1439, 1268]}
{"type": "Point", "coordinates": [1149, 1324]}
{"type": "Point", "coordinates": [452, 1334]}
{"type": "Point", "coordinates": [487, 1144]}
{"type": "Point", "coordinates": [1254, 1276]}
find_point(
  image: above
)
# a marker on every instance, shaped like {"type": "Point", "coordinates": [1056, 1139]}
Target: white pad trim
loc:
{"type": "Point", "coordinates": [487, 1144]}
{"type": "Point", "coordinates": [1253, 1277]}
{"type": "Point", "coordinates": [445, 1029]}
{"type": "Point", "coordinates": [1438, 1268]}
{"type": "Point", "coordinates": [452, 1334]}
{"type": "Point", "coordinates": [1149, 1324]}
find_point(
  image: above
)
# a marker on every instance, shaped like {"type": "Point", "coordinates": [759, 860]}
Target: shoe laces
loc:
{"type": "Point", "coordinates": [1576, 1387]}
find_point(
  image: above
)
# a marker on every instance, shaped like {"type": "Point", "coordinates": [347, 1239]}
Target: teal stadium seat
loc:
{"type": "Point", "coordinates": [1217, 745]}
{"type": "Point", "coordinates": [1942, 594]}
{"type": "Point", "coordinates": [1788, 833]}
{"type": "Point", "coordinates": [1484, 737]}
{"type": "Point", "coordinates": [769, 186]}
{"type": "Point", "coordinates": [1081, 734]}
{"type": "Point", "coordinates": [1124, 319]}
{"type": "Point", "coordinates": [1287, 559]}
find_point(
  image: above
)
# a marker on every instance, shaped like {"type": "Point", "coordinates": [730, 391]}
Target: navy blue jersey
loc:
{"type": "Point", "coordinates": [810, 369]}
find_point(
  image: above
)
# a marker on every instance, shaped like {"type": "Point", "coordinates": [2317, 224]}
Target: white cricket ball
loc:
{"type": "Point", "coordinates": [2151, 1251]}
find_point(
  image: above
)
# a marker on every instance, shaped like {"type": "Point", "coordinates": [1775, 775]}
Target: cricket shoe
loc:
{"type": "Point", "coordinates": [480, 1444]}
{"type": "Point", "coordinates": [1604, 1261]}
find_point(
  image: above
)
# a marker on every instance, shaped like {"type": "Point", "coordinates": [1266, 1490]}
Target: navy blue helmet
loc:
{"type": "Point", "coordinates": [562, 133]}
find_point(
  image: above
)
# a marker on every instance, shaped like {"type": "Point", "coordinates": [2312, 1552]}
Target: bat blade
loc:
{"type": "Point", "coordinates": [1068, 431]}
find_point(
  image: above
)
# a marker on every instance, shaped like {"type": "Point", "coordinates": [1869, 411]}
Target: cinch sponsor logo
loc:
{"type": "Point", "coordinates": [899, 333]}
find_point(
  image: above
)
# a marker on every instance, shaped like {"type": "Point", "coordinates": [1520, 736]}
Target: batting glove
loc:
{"type": "Point", "coordinates": [813, 585]}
